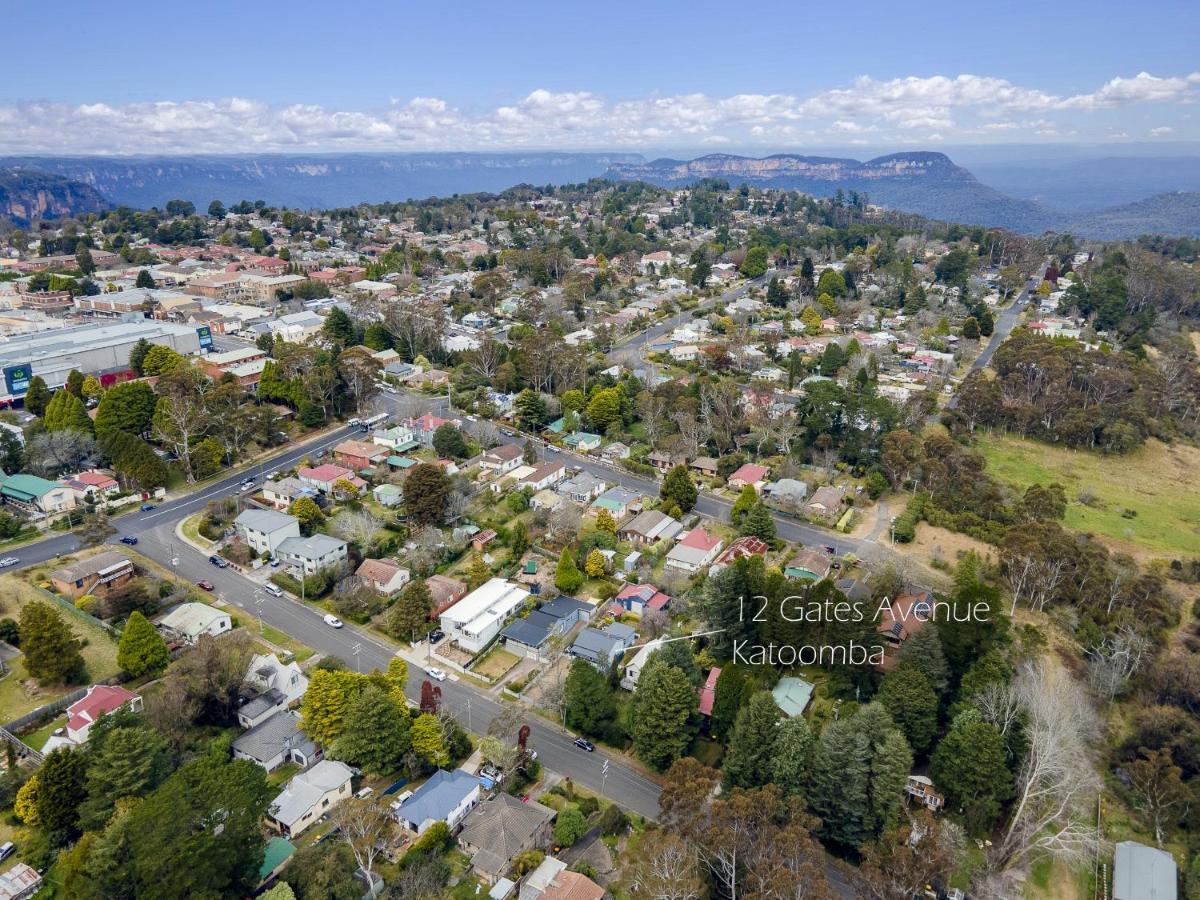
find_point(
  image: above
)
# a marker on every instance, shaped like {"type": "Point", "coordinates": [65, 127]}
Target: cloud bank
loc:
{"type": "Point", "coordinates": [901, 110]}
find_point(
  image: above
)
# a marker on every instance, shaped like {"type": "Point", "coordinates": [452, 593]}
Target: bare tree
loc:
{"type": "Point", "coordinates": [666, 868]}
{"type": "Point", "coordinates": [485, 359]}
{"type": "Point", "coordinates": [1116, 659]}
{"type": "Point", "coordinates": [1157, 789]}
{"type": "Point", "coordinates": [366, 825]}
{"type": "Point", "coordinates": [360, 372]}
{"type": "Point", "coordinates": [359, 527]}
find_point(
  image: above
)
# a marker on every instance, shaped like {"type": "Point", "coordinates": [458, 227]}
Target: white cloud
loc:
{"type": "Point", "coordinates": [1162, 131]}
{"type": "Point", "coordinates": [900, 110]}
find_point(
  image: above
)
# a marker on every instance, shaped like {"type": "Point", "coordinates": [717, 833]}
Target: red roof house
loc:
{"type": "Point", "coordinates": [708, 691]}
{"type": "Point", "coordinates": [100, 700]}
{"type": "Point", "coordinates": [749, 474]}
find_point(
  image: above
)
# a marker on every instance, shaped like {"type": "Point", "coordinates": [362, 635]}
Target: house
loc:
{"type": "Point", "coordinates": [20, 882]}
{"type": "Point", "coordinates": [93, 485]}
{"type": "Point", "coordinates": [547, 500]}
{"type": "Point", "coordinates": [615, 452]}
{"type": "Point", "coordinates": [649, 527]}
{"type": "Point", "coordinates": [826, 503]}
{"type": "Point", "coordinates": [635, 667]}
{"type": "Point", "coordinates": [265, 529]}
{"type": "Point", "coordinates": [396, 439]}
{"type": "Point", "coordinates": [708, 691]}
{"type": "Point", "coordinates": [684, 352]}
{"type": "Point", "coordinates": [283, 493]}
{"type": "Point", "coordinates": [445, 797]}
{"type": "Point", "coordinates": [324, 477]}
{"type": "Point", "coordinates": [311, 554]}
{"type": "Point", "coordinates": [749, 474]}
{"type": "Point", "coordinates": [388, 495]}
{"type": "Point", "coordinates": [359, 455]}
{"type": "Point", "coordinates": [530, 635]}
{"type": "Point", "coordinates": [660, 460]}
{"type": "Point", "coordinates": [637, 598]}
{"type": "Point", "coordinates": [482, 540]}
{"type": "Point", "coordinates": [445, 591]}
{"type": "Point", "coordinates": [35, 495]}
{"type": "Point", "coordinates": [582, 488]}
{"type": "Point", "coordinates": [617, 500]}
{"type": "Point", "coordinates": [267, 673]}
{"type": "Point", "coordinates": [188, 622]}
{"type": "Point", "coordinates": [423, 427]}
{"type": "Point", "coordinates": [740, 548]}
{"type": "Point", "coordinates": [792, 695]}
{"type": "Point", "coordinates": [1143, 873]}
{"type": "Point", "coordinates": [477, 618]}
{"type": "Point", "coordinates": [809, 564]}
{"type": "Point", "coordinates": [603, 646]}
{"type": "Point", "coordinates": [903, 617]}
{"type": "Point", "coordinates": [276, 741]}
{"type": "Point", "coordinates": [543, 476]}
{"type": "Point", "coordinates": [384, 576]}
{"type": "Point", "coordinates": [697, 550]}
{"type": "Point", "coordinates": [704, 465]}
{"type": "Point", "coordinates": [310, 795]}
{"type": "Point", "coordinates": [583, 441]}
{"type": "Point", "coordinates": [552, 881]}
{"type": "Point", "coordinates": [787, 492]}
{"type": "Point", "coordinates": [100, 700]}
{"type": "Point", "coordinates": [97, 575]}
{"type": "Point", "coordinates": [920, 788]}
{"type": "Point", "coordinates": [501, 459]}
{"type": "Point", "coordinates": [497, 830]}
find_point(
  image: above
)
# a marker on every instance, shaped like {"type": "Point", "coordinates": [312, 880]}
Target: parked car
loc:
{"type": "Point", "coordinates": [207, 585]}
{"type": "Point", "coordinates": [436, 635]}
{"type": "Point", "coordinates": [436, 674]}
{"type": "Point", "coordinates": [585, 744]}
{"type": "Point", "coordinates": [246, 486]}
{"type": "Point", "coordinates": [333, 621]}
{"type": "Point", "coordinates": [218, 562]}
{"type": "Point", "coordinates": [146, 507]}
{"type": "Point", "coordinates": [6, 850]}
{"type": "Point", "coordinates": [130, 540]}
{"type": "Point", "coordinates": [8, 561]}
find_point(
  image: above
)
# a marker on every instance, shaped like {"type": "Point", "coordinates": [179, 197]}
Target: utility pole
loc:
{"type": "Point", "coordinates": [259, 597]}
{"type": "Point", "coordinates": [603, 777]}
{"type": "Point", "coordinates": [356, 650]}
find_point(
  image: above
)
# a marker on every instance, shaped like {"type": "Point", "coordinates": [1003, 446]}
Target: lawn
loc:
{"type": "Point", "coordinates": [100, 653]}
{"type": "Point", "coordinates": [37, 739]}
{"type": "Point", "coordinates": [299, 651]}
{"type": "Point", "coordinates": [1146, 503]}
{"type": "Point", "coordinates": [495, 664]}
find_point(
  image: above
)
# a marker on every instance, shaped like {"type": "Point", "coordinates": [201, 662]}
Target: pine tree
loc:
{"type": "Point", "coordinates": [375, 737]}
{"type": "Point", "coordinates": [52, 652]}
{"type": "Point", "coordinates": [477, 572]}
{"type": "Point", "coordinates": [588, 700]}
{"type": "Point", "coordinates": [678, 488]}
{"type": "Point", "coordinates": [595, 563]}
{"type": "Point", "coordinates": [137, 356]}
{"type": "Point", "coordinates": [663, 705]}
{"type": "Point", "coordinates": [410, 613]}
{"type": "Point", "coordinates": [923, 651]}
{"type": "Point", "coordinates": [61, 781]}
{"type": "Point", "coordinates": [759, 523]}
{"type": "Point", "coordinates": [75, 383]}
{"type": "Point", "coordinates": [970, 768]}
{"type": "Point", "coordinates": [37, 396]}
{"type": "Point", "coordinates": [743, 504]}
{"type": "Point", "coordinates": [605, 522]}
{"type": "Point", "coordinates": [141, 650]}
{"type": "Point", "coordinates": [427, 740]}
{"type": "Point", "coordinates": [793, 755]}
{"type": "Point", "coordinates": [750, 757]}
{"type": "Point", "coordinates": [144, 279]}
{"type": "Point", "coordinates": [131, 762]}
{"type": "Point", "coordinates": [727, 700]}
{"type": "Point", "coordinates": [912, 704]}
{"type": "Point", "coordinates": [567, 577]}
{"type": "Point", "coordinates": [324, 706]}
{"type": "Point", "coordinates": [839, 790]}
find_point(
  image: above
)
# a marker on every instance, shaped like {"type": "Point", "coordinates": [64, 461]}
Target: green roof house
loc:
{"type": "Point", "coordinates": [36, 495]}
{"type": "Point", "coordinates": [583, 441]}
{"type": "Point", "coordinates": [792, 695]}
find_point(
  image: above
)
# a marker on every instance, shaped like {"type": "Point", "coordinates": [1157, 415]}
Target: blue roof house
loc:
{"type": "Point", "coordinates": [445, 797]}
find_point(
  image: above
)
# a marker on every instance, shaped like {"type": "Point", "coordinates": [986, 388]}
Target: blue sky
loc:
{"type": "Point", "coordinates": [202, 77]}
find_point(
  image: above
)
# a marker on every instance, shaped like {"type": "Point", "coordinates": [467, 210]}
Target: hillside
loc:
{"type": "Point", "coordinates": [1175, 213]}
{"type": "Point", "coordinates": [26, 194]}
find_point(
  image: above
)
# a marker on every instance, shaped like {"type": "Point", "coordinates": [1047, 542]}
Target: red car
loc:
{"type": "Point", "coordinates": [207, 585]}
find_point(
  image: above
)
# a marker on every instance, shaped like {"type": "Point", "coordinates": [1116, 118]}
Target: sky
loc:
{"type": "Point", "coordinates": [172, 76]}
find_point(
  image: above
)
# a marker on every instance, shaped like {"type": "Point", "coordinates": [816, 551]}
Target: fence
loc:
{"type": "Point", "coordinates": [78, 613]}
{"type": "Point", "coordinates": [52, 708]}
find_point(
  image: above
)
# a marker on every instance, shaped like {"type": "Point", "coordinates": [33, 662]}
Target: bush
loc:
{"type": "Point", "coordinates": [569, 827]}
{"type": "Point", "coordinates": [589, 806]}
{"type": "Point", "coordinates": [613, 821]}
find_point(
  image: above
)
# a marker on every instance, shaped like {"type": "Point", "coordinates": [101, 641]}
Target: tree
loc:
{"type": "Point", "coordinates": [605, 522]}
{"type": "Point", "coordinates": [52, 652]}
{"type": "Point", "coordinates": [902, 864]}
{"type": "Point", "coordinates": [448, 441]}
{"type": "Point", "coordinates": [912, 704]}
{"type": "Point", "coordinates": [160, 359]}
{"type": "Point", "coordinates": [832, 283]}
{"type": "Point", "coordinates": [324, 871]}
{"type": "Point", "coordinates": [428, 740]}
{"type": "Point", "coordinates": [83, 260]}
{"type": "Point", "coordinates": [366, 825]}
{"type": "Point", "coordinates": [141, 650]}
{"type": "Point", "coordinates": [127, 407]}
{"type": "Point", "coordinates": [310, 515]}
{"type": "Point", "coordinates": [595, 563]}
{"type": "Point", "coordinates": [37, 396]}
{"type": "Point", "coordinates": [663, 704]}
{"type": "Point", "coordinates": [567, 577]}
{"type": "Point", "coordinates": [65, 411]}
{"type": "Point", "coordinates": [678, 488]}
{"type": "Point", "coordinates": [759, 523]}
{"type": "Point", "coordinates": [477, 572]}
{"type": "Point", "coordinates": [743, 504]}
{"type": "Point", "coordinates": [969, 768]}
{"type": "Point", "coordinates": [130, 761]}
{"type": "Point", "coordinates": [144, 279]}
{"type": "Point", "coordinates": [25, 807]}
{"type": "Point", "coordinates": [605, 407]}
{"type": "Point", "coordinates": [1158, 790]}
{"type": "Point", "coordinates": [970, 329]}
{"type": "Point", "coordinates": [923, 652]}
{"type": "Point", "coordinates": [216, 209]}
{"type": "Point", "coordinates": [375, 736]}
{"type": "Point", "coordinates": [755, 263]}
{"type": "Point", "coordinates": [425, 491]}
{"type": "Point", "coordinates": [326, 702]}
{"type": "Point", "coordinates": [74, 383]}
{"type": "Point", "coordinates": [569, 827]}
{"type": "Point", "coordinates": [793, 755]}
{"type": "Point", "coordinates": [749, 760]}
{"type": "Point", "coordinates": [727, 700]}
{"type": "Point", "coordinates": [589, 706]}
{"type": "Point", "coordinates": [61, 781]}
{"type": "Point", "coordinates": [410, 613]}
{"type": "Point", "coordinates": [338, 329]}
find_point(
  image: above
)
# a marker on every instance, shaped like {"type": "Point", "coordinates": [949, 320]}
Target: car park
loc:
{"type": "Point", "coordinates": [207, 585]}
{"type": "Point", "coordinates": [436, 674]}
{"type": "Point", "coordinates": [333, 621]}
{"type": "Point", "coordinates": [129, 539]}
{"type": "Point", "coordinates": [585, 744]}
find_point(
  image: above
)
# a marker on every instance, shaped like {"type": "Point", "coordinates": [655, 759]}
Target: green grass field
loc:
{"type": "Point", "coordinates": [1146, 503]}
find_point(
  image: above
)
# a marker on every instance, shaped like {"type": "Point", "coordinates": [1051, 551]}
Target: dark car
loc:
{"type": "Point", "coordinates": [436, 635]}
{"type": "Point", "coordinates": [146, 507]}
{"type": "Point", "coordinates": [585, 744]}
{"type": "Point", "coordinates": [218, 562]}
{"type": "Point", "coordinates": [207, 585]}
{"type": "Point", "coordinates": [129, 539]}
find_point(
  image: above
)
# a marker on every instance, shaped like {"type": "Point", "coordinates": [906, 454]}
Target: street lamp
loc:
{"type": "Point", "coordinates": [259, 598]}
{"type": "Point", "coordinates": [893, 531]}
{"type": "Point", "coordinates": [356, 650]}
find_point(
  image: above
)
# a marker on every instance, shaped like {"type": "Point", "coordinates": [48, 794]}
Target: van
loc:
{"type": "Point", "coordinates": [273, 589]}
{"type": "Point", "coordinates": [6, 850]}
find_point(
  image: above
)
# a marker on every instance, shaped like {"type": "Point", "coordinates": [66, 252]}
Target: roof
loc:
{"type": "Point", "coordinates": [792, 695]}
{"type": "Point", "coordinates": [438, 797]}
{"type": "Point", "coordinates": [572, 886]}
{"type": "Point", "coordinates": [708, 691]}
{"type": "Point", "coordinates": [268, 739]}
{"type": "Point", "coordinates": [501, 828]}
{"type": "Point", "coordinates": [100, 564]}
{"type": "Point", "coordinates": [360, 448]}
{"type": "Point", "coordinates": [543, 471]}
{"type": "Point", "coordinates": [100, 699]}
{"type": "Point", "coordinates": [191, 618]}
{"type": "Point", "coordinates": [699, 539]}
{"type": "Point", "coordinates": [19, 881]}
{"type": "Point", "coordinates": [267, 700]}
{"type": "Point", "coordinates": [312, 547]}
{"type": "Point", "coordinates": [443, 589]}
{"type": "Point", "coordinates": [652, 524]}
{"type": "Point", "coordinates": [505, 452]}
{"type": "Point", "coordinates": [495, 593]}
{"type": "Point", "coordinates": [532, 631]}
{"type": "Point", "coordinates": [1143, 873]}
{"type": "Point", "coordinates": [265, 520]}
{"type": "Point", "coordinates": [750, 473]}
{"type": "Point", "coordinates": [326, 472]}
{"type": "Point", "coordinates": [380, 570]}
{"type": "Point", "coordinates": [563, 606]}
{"type": "Point", "coordinates": [744, 547]}
{"type": "Point", "coordinates": [596, 645]}
{"type": "Point", "coordinates": [305, 790]}
{"type": "Point", "coordinates": [28, 487]}
{"type": "Point", "coordinates": [650, 595]}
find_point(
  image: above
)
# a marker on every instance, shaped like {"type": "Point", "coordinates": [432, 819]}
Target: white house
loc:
{"type": "Point", "coordinates": [100, 700]}
{"type": "Point", "coordinates": [265, 529]}
{"type": "Point", "coordinates": [311, 554]}
{"type": "Point", "coordinates": [697, 549]}
{"type": "Point", "coordinates": [385, 576]}
{"type": "Point", "coordinates": [310, 795]}
{"type": "Point", "coordinates": [478, 617]}
{"type": "Point", "coordinates": [189, 621]}
{"type": "Point", "coordinates": [684, 352]}
{"type": "Point", "coordinates": [633, 671]}
{"type": "Point", "coordinates": [268, 673]}
{"type": "Point", "coordinates": [501, 459]}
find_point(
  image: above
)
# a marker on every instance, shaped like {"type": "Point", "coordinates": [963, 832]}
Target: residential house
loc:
{"type": "Point", "coordinates": [324, 477]}
{"type": "Point", "coordinates": [445, 591]}
{"type": "Point", "coordinates": [35, 495]}
{"type": "Point", "coordinates": [637, 598]}
{"type": "Point", "coordinates": [583, 441]}
{"type": "Point", "coordinates": [787, 492]}
{"type": "Point", "coordinates": [634, 668]}
{"type": "Point", "coordinates": [501, 459]}
{"type": "Point", "coordinates": [1143, 873]}
{"type": "Point", "coordinates": [397, 439]}
{"type": "Point", "coordinates": [495, 831]}
{"type": "Point", "coordinates": [749, 474]}
{"type": "Point", "coordinates": [740, 548]}
{"type": "Point", "coordinates": [705, 466]}
{"type": "Point", "coordinates": [481, 540]}
{"type": "Point", "coordinates": [660, 460]}
{"type": "Point", "coordinates": [93, 485]}
{"type": "Point", "coordinates": [278, 740]}
{"type": "Point", "coordinates": [387, 494]}
{"type": "Point", "coordinates": [265, 529]}
{"type": "Point", "coordinates": [792, 695]}
{"type": "Point", "coordinates": [423, 427]}
{"type": "Point", "coordinates": [708, 691]}
{"type": "Point", "coordinates": [477, 618]}
{"type": "Point", "coordinates": [809, 564]}
{"type": "Point", "coordinates": [546, 499]}
{"type": "Point", "coordinates": [267, 672]}
{"type": "Point", "coordinates": [311, 554]}
{"type": "Point", "coordinates": [684, 352]}
{"type": "Point", "coordinates": [619, 501]}
{"type": "Point", "coordinates": [696, 550]}
{"type": "Point", "coordinates": [826, 503]}
{"type": "Point", "coordinates": [97, 575]}
{"type": "Point", "coordinates": [615, 452]}
{"type": "Point", "coordinates": [188, 622]}
{"type": "Point", "coordinates": [20, 882]}
{"type": "Point", "coordinates": [582, 488]}
{"type": "Point", "coordinates": [552, 881]}
{"type": "Point", "coordinates": [904, 616]}
{"type": "Point", "coordinates": [384, 576]}
{"type": "Point", "coordinates": [530, 635]}
{"type": "Point", "coordinates": [358, 455]}
{"type": "Point", "coordinates": [543, 476]}
{"type": "Point", "coordinates": [100, 700]}
{"type": "Point", "coordinates": [920, 788]}
{"type": "Point", "coordinates": [310, 795]}
{"type": "Point", "coordinates": [603, 646]}
{"type": "Point", "coordinates": [446, 797]}
{"type": "Point", "coordinates": [649, 527]}
{"type": "Point", "coordinates": [283, 493]}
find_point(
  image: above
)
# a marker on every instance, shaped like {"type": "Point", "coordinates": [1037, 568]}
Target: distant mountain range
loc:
{"type": "Point", "coordinates": [925, 183]}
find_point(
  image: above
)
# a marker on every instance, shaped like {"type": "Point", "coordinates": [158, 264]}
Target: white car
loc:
{"type": "Point", "coordinates": [8, 561]}
{"type": "Point", "coordinates": [436, 674]}
{"type": "Point", "coordinates": [333, 621]}
{"type": "Point", "coordinates": [247, 486]}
